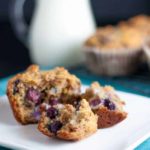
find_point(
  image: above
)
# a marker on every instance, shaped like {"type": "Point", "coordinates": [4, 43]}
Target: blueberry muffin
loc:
{"type": "Point", "coordinates": [28, 90]}
{"type": "Point", "coordinates": [68, 122]}
{"type": "Point", "coordinates": [106, 104]}
{"type": "Point", "coordinates": [117, 50]}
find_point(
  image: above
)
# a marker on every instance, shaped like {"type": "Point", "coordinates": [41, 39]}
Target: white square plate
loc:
{"type": "Point", "coordinates": [125, 135]}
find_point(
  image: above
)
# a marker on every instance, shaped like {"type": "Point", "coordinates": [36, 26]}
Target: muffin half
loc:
{"type": "Point", "coordinates": [106, 104]}
{"type": "Point", "coordinates": [68, 122]}
{"type": "Point", "coordinates": [28, 90]}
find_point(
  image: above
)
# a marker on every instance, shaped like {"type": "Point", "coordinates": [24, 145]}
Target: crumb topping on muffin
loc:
{"type": "Point", "coordinates": [127, 34]}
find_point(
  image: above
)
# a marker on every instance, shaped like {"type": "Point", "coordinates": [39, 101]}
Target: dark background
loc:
{"type": "Point", "coordinates": [14, 56]}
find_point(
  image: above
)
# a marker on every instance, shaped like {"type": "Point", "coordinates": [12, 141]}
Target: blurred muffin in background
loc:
{"type": "Point", "coordinates": [117, 50]}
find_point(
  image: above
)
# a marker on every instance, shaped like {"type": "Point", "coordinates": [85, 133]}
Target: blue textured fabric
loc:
{"type": "Point", "coordinates": [3, 84]}
{"type": "Point", "coordinates": [119, 83]}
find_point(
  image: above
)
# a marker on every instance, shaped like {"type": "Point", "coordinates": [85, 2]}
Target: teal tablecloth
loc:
{"type": "Point", "coordinates": [134, 84]}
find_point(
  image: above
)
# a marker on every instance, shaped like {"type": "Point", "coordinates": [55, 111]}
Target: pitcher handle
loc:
{"type": "Point", "coordinates": [18, 21]}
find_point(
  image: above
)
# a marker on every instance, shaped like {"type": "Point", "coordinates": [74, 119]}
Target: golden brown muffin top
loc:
{"type": "Point", "coordinates": [126, 35]}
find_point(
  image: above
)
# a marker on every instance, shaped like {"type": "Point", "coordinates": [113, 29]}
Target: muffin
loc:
{"type": "Point", "coordinates": [28, 90]}
{"type": "Point", "coordinates": [117, 50]}
{"type": "Point", "coordinates": [106, 104]}
{"type": "Point", "coordinates": [68, 122]}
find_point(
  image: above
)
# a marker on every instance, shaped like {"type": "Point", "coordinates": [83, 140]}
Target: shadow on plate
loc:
{"type": "Point", "coordinates": [31, 133]}
{"type": "Point", "coordinates": [6, 116]}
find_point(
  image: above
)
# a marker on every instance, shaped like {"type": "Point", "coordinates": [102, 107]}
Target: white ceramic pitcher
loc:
{"type": "Point", "coordinates": [57, 32]}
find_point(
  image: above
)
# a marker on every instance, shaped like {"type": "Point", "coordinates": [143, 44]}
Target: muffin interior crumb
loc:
{"type": "Point", "coordinates": [69, 122]}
